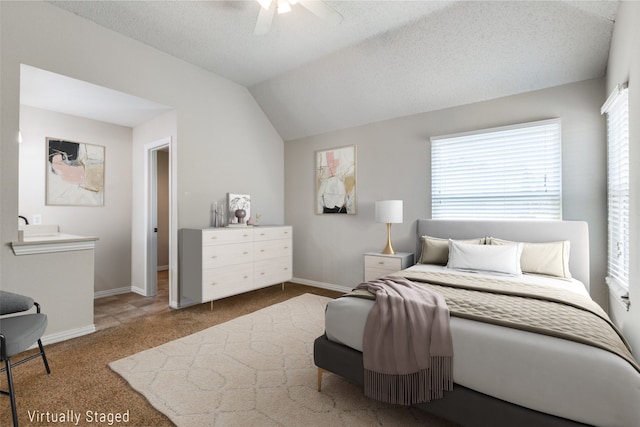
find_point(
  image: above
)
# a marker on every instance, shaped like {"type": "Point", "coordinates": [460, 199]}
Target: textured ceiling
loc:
{"type": "Point", "coordinates": [385, 59]}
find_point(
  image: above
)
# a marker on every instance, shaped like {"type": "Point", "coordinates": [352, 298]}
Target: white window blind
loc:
{"type": "Point", "coordinates": [617, 110]}
{"type": "Point", "coordinates": [507, 172]}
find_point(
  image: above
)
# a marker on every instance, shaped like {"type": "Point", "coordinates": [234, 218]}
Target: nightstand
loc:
{"type": "Point", "coordinates": [377, 264]}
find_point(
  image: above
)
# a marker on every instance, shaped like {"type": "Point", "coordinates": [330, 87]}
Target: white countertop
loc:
{"type": "Point", "coordinates": [54, 242]}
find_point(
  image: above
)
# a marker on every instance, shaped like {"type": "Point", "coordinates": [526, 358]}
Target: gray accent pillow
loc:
{"type": "Point", "coordinates": [436, 250]}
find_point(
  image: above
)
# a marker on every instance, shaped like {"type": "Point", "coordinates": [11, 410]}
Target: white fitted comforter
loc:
{"type": "Point", "coordinates": [544, 373]}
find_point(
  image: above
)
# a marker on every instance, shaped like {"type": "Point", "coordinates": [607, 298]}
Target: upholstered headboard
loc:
{"type": "Point", "coordinates": [577, 232]}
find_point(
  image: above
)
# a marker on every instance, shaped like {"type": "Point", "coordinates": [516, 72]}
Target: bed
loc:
{"type": "Point", "coordinates": [505, 376]}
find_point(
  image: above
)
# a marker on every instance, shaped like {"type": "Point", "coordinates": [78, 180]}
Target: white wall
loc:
{"type": "Point", "coordinates": [623, 66]}
{"type": "Point", "coordinates": [222, 140]}
{"type": "Point", "coordinates": [111, 223]}
{"type": "Point", "coordinates": [393, 162]}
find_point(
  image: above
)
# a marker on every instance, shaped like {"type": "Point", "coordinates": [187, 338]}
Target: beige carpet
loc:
{"type": "Point", "coordinates": [256, 370]}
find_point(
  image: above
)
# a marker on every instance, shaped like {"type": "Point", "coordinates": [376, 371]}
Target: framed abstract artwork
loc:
{"type": "Point", "coordinates": [75, 173]}
{"type": "Point", "coordinates": [336, 180]}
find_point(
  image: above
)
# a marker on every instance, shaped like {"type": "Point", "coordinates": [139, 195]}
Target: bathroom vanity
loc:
{"type": "Point", "coordinates": [57, 270]}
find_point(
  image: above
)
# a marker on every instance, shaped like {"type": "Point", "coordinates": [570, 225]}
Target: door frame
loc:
{"type": "Point", "coordinates": [150, 196]}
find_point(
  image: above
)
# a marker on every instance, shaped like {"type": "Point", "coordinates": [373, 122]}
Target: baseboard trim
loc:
{"type": "Point", "coordinates": [322, 285]}
{"type": "Point", "coordinates": [138, 290]}
{"type": "Point", "coordinates": [67, 335]}
{"type": "Point", "coordinates": [109, 292]}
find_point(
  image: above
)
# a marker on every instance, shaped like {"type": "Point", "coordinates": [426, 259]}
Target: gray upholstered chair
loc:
{"type": "Point", "coordinates": [17, 334]}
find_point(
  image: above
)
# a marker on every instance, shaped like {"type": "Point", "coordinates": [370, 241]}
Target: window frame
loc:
{"type": "Point", "coordinates": [470, 156]}
{"type": "Point", "coordinates": [616, 108]}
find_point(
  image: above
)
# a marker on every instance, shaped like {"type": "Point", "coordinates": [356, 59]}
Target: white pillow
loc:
{"type": "Point", "coordinates": [502, 259]}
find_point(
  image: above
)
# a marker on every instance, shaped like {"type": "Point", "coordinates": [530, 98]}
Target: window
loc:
{"type": "Point", "coordinates": [617, 110]}
{"type": "Point", "coordinates": [506, 172]}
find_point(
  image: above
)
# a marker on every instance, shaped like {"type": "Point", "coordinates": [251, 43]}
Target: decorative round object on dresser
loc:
{"type": "Point", "coordinates": [240, 214]}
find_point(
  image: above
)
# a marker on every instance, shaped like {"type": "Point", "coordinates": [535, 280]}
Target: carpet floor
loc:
{"type": "Point", "coordinates": [82, 384]}
{"type": "Point", "coordinates": [81, 380]}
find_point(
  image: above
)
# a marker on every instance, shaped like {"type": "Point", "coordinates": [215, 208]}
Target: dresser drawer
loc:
{"type": "Point", "coordinates": [266, 249]}
{"type": "Point", "coordinates": [221, 255]}
{"type": "Point", "coordinates": [270, 233]}
{"type": "Point", "coordinates": [383, 263]}
{"type": "Point", "coordinates": [224, 281]}
{"type": "Point", "coordinates": [273, 271]}
{"type": "Point", "coordinates": [377, 264]}
{"type": "Point", "coordinates": [226, 235]}
{"type": "Point", "coordinates": [375, 273]}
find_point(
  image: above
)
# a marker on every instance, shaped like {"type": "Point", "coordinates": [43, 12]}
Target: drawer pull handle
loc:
{"type": "Point", "coordinates": [380, 262]}
{"type": "Point", "coordinates": [213, 283]}
{"type": "Point", "coordinates": [245, 253]}
{"type": "Point", "coordinates": [262, 274]}
{"type": "Point", "coordinates": [286, 247]}
{"type": "Point", "coordinates": [262, 234]}
{"type": "Point", "coordinates": [261, 250]}
{"type": "Point", "coordinates": [245, 235]}
{"type": "Point", "coordinates": [245, 277]}
{"type": "Point", "coordinates": [214, 237]}
{"type": "Point", "coordinates": [286, 268]}
{"type": "Point", "coordinates": [214, 256]}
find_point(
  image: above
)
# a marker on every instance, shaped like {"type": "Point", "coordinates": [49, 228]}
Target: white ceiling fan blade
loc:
{"type": "Point", "coordinates": [265, 16]}
{"type": "Point", "coordinates": [321, 10]}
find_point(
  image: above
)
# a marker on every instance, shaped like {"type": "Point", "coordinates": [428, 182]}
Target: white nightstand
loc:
{"type": "Point", "coordinates": [378, 265]}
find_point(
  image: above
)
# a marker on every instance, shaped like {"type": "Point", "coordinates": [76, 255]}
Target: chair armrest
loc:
{"type": "Point", "coordinates": [14, 303]}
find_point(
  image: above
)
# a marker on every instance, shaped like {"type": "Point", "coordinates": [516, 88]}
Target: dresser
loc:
{"type": "Point", "coordinates": [219, 262]}
{"type": "Point", "coordinates": [377, 264]}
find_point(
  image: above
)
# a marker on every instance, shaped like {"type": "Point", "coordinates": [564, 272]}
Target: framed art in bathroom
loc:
{"type": "Point", "coordinates": [74, 173]}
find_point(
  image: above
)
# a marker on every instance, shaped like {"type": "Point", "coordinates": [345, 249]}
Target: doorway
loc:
{"type": "Point", "coordinates": [158, 217]}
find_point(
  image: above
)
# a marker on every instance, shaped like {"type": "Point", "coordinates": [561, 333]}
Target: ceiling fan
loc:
{"type": "Point", "coordinates": [269, 8]}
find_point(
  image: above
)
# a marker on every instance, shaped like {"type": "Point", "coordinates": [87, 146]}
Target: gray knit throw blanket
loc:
{"type": "Point", "coordinates": [407, 346]}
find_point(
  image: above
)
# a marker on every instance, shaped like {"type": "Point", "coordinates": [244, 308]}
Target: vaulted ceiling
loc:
{"type": "Point", "coordinates": [384, 59]}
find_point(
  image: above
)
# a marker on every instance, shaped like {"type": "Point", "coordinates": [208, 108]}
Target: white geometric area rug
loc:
{"type": "Point", "coordinates": [256, 370]}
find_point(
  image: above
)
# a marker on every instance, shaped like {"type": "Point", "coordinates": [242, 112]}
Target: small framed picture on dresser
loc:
{"type": "Point", "coordinates": [239, 209]}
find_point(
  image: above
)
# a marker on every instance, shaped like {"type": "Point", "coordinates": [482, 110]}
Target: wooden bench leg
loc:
{"type": "Point", "coordinates": [320, 372]}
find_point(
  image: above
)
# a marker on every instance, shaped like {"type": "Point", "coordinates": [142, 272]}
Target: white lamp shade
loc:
{"type": "Point", "coordinates": [389, 211]}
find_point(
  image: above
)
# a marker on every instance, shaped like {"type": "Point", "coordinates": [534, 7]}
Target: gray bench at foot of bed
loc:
{"type": "Point", "coordinates": [462, 405]}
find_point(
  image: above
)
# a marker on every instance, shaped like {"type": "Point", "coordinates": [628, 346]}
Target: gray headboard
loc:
{"type": "Point", "coordinates": [577, 232]}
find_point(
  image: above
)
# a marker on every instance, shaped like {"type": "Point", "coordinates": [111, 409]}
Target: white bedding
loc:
{"type": "Point", "coordinates": [544, 373]}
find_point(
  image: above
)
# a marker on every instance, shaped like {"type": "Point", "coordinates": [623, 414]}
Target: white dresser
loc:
{"type": "Point", "coordinates": [219, 262]}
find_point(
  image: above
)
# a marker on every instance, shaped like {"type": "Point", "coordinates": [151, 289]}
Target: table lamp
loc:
{"type": "Point", "coordinates": [389, 212]}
